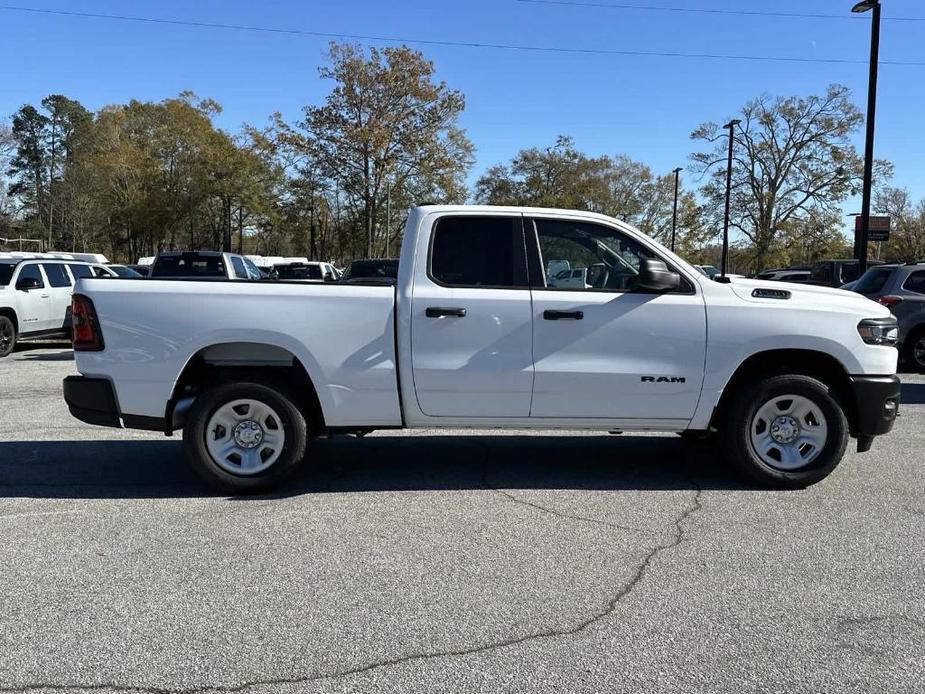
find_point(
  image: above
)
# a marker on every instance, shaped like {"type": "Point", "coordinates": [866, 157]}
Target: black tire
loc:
{"type": "Point", "coordinates": [292, 422]}
{"type": "Point", "coordinates": [7, 336]}
{"type": "Point", "coordinates": [909, 357]}
{"type": "Point", "coordinates": [744, 406]}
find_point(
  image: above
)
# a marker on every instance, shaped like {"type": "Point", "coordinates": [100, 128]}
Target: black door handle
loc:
{"type": "Point", "coordinates": [563, 315]}
{"type": "Point", "coordinates": [437, 312]}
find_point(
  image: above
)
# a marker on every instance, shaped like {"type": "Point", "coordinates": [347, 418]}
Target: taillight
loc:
{"type": "Point", "coordinates": [889, 300]}
{"type": "Point", "coordinates": [85, 327]}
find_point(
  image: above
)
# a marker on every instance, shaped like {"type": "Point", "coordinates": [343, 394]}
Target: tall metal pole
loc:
{"type": "Point", "coordinates": [674, 215]}
{"type": "Point", "coordinates": [240, 228]}
{"type": "Point", "coordinates": [388, 215]}
{"type": "Point", "coordinates": [871, 121]}
{"type": "Point", "coordinates": [731, 127]}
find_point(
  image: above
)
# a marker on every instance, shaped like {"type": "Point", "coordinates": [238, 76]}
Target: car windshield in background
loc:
{"type": "Point", "coordinates": [372, 269]}
{"type": "Point", "coordinates": [872, 281]}
{"type": "Point", "coordinates": [192, 266]}
{"type": "Point", "coordinates": [123, 271]}
{"type": "Point", "coordinates": [299, 272]}
{"type": "Point", "coordinates": [6, 273]}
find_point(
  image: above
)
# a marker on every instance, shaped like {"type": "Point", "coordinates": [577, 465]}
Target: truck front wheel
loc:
{"type": "Point", "coordinates": [785, 431]}
{"type": "Point", "coordinates": [7, 336]}
{"type": "Point", "coordinates": [245, 437]}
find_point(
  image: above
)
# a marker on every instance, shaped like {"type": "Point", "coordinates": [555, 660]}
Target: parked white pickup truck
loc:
{"type": "Point", "coordinates": [473, 337]}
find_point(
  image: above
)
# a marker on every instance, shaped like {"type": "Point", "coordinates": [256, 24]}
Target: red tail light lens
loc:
{"type": "Point", "coordinates": [85, 327]}
{"type": "Point", "coordinates": [889, 300]}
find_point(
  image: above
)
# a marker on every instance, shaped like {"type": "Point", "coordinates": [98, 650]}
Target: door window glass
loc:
{"type": "Point", "coordinates": [57, 275]}
{"type": "Point", "coordinates": [252, 271]}
{"type": "Point", "coordinates": [479, 252]}
{"type": "Point", "coordinates": [81, 271]}
{"type": "Point", "coordinates": [600, 257]}
{"type": "Point", "coordinates": [239, 270]}
{"type": "Point", "coordinates": [33, 272]}
{"type": "Point", "coordinates": [916, 282]}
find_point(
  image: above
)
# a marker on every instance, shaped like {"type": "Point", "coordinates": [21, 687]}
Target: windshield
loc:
{"type": "Point", "coordinates": [189, 266]}
{"type": "Point", "coordinates": [123, 271]}
{"type": "Point", "coordinates": [372, 268]}
{"type": "Point", "coordinates": [6, 273]}
{"type": "Point", "coordinates": [873, 281]}
{"type": "Point", "coordinates": [299, 272]}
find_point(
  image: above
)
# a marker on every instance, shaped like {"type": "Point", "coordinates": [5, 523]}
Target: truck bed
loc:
{"type": "Point", "coordinates": [153, 328]}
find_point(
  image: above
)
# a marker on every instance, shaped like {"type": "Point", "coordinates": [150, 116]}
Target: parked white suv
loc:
{"type": "Point", "coordinates": [35, 295]}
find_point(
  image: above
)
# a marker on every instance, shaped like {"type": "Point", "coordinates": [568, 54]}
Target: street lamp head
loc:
{"type": "Point", "coordinates": [731, 124]}
{"type": "Point", "coordinates": [678, 170]}
{"type": "Point", "coordinates": [865, 6]}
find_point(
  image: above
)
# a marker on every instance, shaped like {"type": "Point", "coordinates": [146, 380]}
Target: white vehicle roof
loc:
{"type": "Point", "coordinates": [73, 257]}
{"type": "Point", "coordinates": [147, 260]}
{"type": "Point", "coordinates": [294, 260]}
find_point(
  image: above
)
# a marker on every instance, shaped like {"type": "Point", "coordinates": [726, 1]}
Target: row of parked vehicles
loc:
{"type": "Point", "coordinates": [35, 288]}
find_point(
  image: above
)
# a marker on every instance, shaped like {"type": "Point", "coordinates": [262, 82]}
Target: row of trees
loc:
{"type": "Point", "coordinates": [140, 177]}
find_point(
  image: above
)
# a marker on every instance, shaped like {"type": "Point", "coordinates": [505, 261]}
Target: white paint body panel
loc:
{"type": "Point", "coordinates": [342, 335]}
{"type": "Point", "coordinates": [502, 366]}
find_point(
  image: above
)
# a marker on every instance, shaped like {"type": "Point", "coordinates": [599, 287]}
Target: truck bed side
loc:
{"type": "Point", "coordinates": [343, 335]}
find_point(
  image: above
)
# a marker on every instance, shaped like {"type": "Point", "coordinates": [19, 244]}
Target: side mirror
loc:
{"type": "Point", "coordinates": [27, 283]}
{"type": "Point", "coordinates": [654, 276]}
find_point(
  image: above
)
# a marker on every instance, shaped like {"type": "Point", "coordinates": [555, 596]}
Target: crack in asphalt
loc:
{"type": "Point", "coordinates": [560, 514]}
{"type": "Point", "coordinates": [695, 505]}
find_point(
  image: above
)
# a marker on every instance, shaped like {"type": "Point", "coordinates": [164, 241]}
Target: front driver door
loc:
{"type": "Point", "coordinates": [471, 324]}
{"type": "Point", "coordinates": [608, 351]}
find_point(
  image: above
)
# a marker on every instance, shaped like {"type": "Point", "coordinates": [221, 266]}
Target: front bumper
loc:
{"type": "Point", "coordinates": [877, 399]}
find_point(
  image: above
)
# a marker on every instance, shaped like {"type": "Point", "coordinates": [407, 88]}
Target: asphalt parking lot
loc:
{"type": "Point", "coordinates": [450, 563]}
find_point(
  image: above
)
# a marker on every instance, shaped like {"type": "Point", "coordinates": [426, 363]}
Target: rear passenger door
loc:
{"type": "Point", "coordinates": [59, 290]}
{"type": "Point", "coordinates": [471, 324]}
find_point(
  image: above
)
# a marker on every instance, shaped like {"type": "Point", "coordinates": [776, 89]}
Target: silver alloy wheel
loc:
{"type": "Point", "coordinates": [245, 437]}
{"type": "Point", "coordinates": [788, 432]}
{"type": "Point", "coordinates": [918, 352]}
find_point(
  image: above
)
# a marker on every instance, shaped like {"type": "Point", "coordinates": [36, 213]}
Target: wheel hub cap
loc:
{"type": "Point", "coordinates": [248, 434]}
{"type": "Point", "coordinates": [785, 429]}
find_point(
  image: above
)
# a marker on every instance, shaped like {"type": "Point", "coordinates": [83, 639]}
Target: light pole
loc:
{"type": "Point", "coordinates": [730, 126]}
{"type": "Point", "coordinates": [674, 214]}
{"type": "Point", "coordinates": [865, 6]}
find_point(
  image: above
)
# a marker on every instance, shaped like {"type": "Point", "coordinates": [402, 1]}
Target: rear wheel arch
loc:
{"type": "Point", "coordinates": [233, 362]}
{"type": "Point", "coordinates": [805, 362]}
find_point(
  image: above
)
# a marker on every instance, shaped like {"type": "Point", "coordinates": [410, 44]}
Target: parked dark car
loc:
{"type": "Point", "coordinates": [836, 273]}
{"type": "Point", "coordinates": [383, 269]}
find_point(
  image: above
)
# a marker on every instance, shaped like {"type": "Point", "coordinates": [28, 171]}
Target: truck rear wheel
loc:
{"type": "Point", "coordinates": [245, 437]}
{"type": "Point", "coordinates": [7, 336]}
{"type": "Point", "coordinates": [785, 431]}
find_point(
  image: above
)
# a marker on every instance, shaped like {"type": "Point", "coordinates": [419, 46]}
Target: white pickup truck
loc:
{"type": "Point", "coordinates": [472, 336]}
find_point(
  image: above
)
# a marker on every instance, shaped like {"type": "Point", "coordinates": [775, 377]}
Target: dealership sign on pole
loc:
{"type": "Point", "coordinates": [879, 228]}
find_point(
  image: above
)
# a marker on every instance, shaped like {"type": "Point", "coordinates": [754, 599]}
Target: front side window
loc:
{"type": "Point", "coordinates": [252, 271]}
{"type": "Point", "coordinates": [33, 272]}
{"type": "Point", "coordinates": [479, 252]}
{"type": "Point", "coordinates": [599, 257]}
{"type": "Point", "coordinates": [57, 275]}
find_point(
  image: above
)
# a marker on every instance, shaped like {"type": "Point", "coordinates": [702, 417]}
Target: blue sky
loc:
{"type": "Point", "coordinates": [642, 106]}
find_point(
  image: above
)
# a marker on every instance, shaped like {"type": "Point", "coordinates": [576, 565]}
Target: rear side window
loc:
{"type": "Point", "coordinates": [915, 282]}
{"type": "Point", "coordinates": [479, 252]}
{"type": "Point", "coordinates": [872, 282]}
{"type": "Point", "coordinates": [57, 275]}
{"type": "Point", "coordinates": [81, 271]}
{"type": "Point", "coordinates": [189, 266]}
{"type": "Point", "coordinates": [239, 270]}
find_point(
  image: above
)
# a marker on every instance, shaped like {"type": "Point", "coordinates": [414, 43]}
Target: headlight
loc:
{"type": "Point", "coordinates": [879, 331]}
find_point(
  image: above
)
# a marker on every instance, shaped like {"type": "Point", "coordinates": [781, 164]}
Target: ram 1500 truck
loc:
{"type": "Point", "coordinates": [475, 335]}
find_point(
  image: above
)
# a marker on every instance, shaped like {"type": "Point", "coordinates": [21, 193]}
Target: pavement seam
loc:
{"type": "Point", "coordinates": [609, 608]}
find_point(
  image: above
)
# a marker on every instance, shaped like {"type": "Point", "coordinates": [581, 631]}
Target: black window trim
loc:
{"type": "Point", "coordinates": [687, 288]}
{"type": "Point", "coordinates": [517, 225]}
